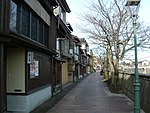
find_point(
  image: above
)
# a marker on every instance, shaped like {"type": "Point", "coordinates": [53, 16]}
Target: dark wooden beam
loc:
{"type": "Point", "coordinates": [1, 74]}
{"type": "Point", "coordinates": [1, 14]}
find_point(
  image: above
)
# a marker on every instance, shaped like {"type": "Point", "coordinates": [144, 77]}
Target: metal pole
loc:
{"type": "Point", "coordinates": [136, 82]}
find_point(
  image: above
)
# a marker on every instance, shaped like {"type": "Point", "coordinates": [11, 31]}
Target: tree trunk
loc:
{"type": "Point", "coordinates": [114, 80]}
{"type": "Point", "coordinates": [116, 74]}
{"type": "Point", "coordinates": [114, 71]}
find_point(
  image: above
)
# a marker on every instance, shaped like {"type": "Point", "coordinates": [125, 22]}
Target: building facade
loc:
{"type": "Point", "coordinates": [90, 62]}
{"type": "Point", "coordinates": [64, 30]}
{"type": "Point", "coordinates": [85, 50]}
{"type": "Point", "coordinates": [38, 54]}
{"type": "Point", "coordinates": [27, 51]}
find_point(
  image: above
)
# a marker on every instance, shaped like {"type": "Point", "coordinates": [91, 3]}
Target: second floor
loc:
{"type": "Point", "coordinates": [30, 21]}
{"type": "Point", "coordinates": [62, 10]}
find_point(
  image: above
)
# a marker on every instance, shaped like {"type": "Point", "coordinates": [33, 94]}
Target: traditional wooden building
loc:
{"type": "Point", "coordinates": [85, 49]}
{"type": "Point", "coordinates": [77, 61]}
{"type": "Point", "coordinates": [90, 62]}
{"type": "Point", "coordinates": [27, 51]}
{"type": "Point", "coordinates": [38, 54]}
{"type": "Point", "coordinates": [64, 30]}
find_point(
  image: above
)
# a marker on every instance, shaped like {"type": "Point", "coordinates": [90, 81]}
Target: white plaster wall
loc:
{"type": "Point", "coordinates": [27, 103]}
{"type": "Point", "coordinates": [15, 70]}
{"type": "Point", "coordinates": [37, 7]}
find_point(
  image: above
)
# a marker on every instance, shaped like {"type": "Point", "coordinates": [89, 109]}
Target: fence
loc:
{"type": "Point", "coordinates": [126, 81]}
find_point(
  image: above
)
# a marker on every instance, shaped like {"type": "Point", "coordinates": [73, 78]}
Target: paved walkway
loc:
{"type": "Point", "coordinates": [92, 96]}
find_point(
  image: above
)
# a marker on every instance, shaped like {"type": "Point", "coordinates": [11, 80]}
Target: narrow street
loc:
{"type": "Point", "coordinates": [92, 96]}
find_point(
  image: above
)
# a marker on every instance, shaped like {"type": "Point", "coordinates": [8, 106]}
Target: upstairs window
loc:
{"type": "Point", "coordinates": [25, 21]}
{"type": "Point", "coordinates": [87, 48]}
{"type": "Point", "coordinates": [65, 45]}
{"type": "Point", "coordinates": [0, 9]}
{"type": "Point", "coordinates": [34, 27]}
{"type": "Point", "coordinates": [13, 16]}
{"type": "Point", "coordinates": [46, 35]}
{"type": "Point", "coordinates": [66, 48]}
{"type": "Point", "coordinates": [77, 50]}
{"type": "Point", "coordinates": [58, 45]}
{"type": "Point", "coordinates": [61, 15]}
{"type": "Point", "coordinates": [40, 32]}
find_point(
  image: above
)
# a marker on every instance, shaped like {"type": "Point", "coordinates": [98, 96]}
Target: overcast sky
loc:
{"type": "Point", "coordinates": [79, 7]}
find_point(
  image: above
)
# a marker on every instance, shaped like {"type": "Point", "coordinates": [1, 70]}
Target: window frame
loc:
{"type": "Point", "coordinates": [24, 8]}
{"type": "Point", "coordinates": [34, 27]}
{"type": "Point", "coordinates": [41, 38]}
{"type": "Point", "coordinates": [14, 29]}
{"type": "Point", "coordinates": [24, 24]}
{"type": "Point", "coordinates": [46, 35]}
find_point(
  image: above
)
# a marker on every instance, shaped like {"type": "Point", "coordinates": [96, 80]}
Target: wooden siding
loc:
{"type": "Point", "coordinates": [45, 73]}
{"type": "Point", "coordinates": [56, 76]}
{"type": "Point", "coordinates": [37, 7]}
{"type": "Point", "coordinates": [65, 73]}
{"type": "Point", "coordinates": [1, 16]}
{"type": "Point", "coordinates": [2, 79]}
{"type": "Point", "coordinates": [53, 33]}
{"type": "Point", "coordinates": [4, 15]}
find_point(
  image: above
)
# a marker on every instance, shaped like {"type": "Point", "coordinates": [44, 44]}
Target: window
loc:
{"type": "Point", "coordinates": [57, 45]}
{"type": "Point", "coordinates": [75, 48]}
{"type": "Point", "coordinates": [61, 16]}
{"type": "Point", "coordinates": [76, 57]}
{"type": "Point", "coordinates": [77, 51]}
{"type": "Point", "coordinates": [13, 16]}
{"type": "Point", "coordinates": [63, 45]}
{"type": "Point", "coordinates": [87, 48]}
{"type": "Point", "coordinates": [40, 32]}
{"type": "Point", "coordinates": [0, 10]}
{"type": "Point", "coordinates": [46, 35]}
{"type": "Point", "coordinates": [25, 21]}
{"type": "Point", "coordinates": [67, 46]}
{"type": "Point", "coordinates": [34, 28]}
{"type": "Point", "coordinates": [31, 25]}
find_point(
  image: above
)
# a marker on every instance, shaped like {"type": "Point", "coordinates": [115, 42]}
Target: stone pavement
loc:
{"type": "Point", "coordinates": [56, 98]}
{"type": "Point", "coordinates": [92, 96]}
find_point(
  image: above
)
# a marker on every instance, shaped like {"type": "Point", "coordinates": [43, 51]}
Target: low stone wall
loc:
{"type": "Point", "coordinates": [127, 80]}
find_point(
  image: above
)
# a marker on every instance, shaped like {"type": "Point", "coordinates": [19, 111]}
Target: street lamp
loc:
{"type": "Point", "coordinates": [133, 7]}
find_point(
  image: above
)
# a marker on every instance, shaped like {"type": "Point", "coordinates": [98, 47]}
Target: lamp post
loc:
{"type": "Point", "coordinates": [133, 7]}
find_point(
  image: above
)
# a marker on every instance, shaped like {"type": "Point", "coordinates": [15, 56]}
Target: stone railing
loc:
{"type": "Point", "coordinates": [126, 81]}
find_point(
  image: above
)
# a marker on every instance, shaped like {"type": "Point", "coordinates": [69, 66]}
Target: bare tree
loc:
{"type": "Point", "coordinates": [110, 26]}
